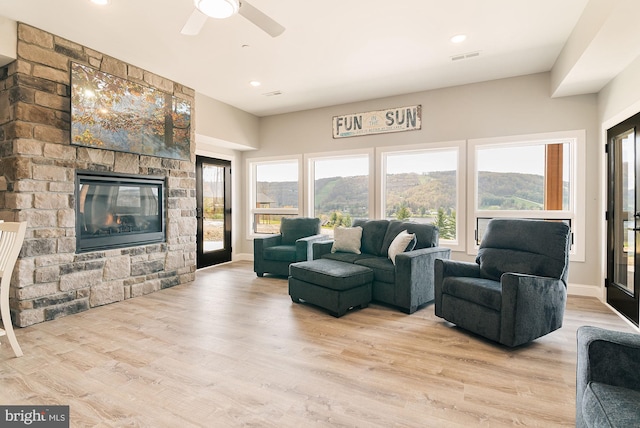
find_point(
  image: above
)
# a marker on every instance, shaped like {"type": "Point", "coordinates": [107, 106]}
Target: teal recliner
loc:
{"type": "Point", "coordinates": [274, 253]}
{"type": "Point", "coordinates": [607, 378]}
{"type": "Point", "coordinates": [517, 289]}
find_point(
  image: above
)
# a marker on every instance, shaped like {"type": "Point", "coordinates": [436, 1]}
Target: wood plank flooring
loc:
{"type": "Point", "coordinates": [232, 350]}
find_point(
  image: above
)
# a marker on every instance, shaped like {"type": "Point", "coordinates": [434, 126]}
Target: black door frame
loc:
{"type": "Point", "coordinates": [626, 302]}
{"type": "Point", "coordinates": [209, 258]}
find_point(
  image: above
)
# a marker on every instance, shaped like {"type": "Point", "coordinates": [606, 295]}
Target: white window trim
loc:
{"type": "Point", "coordinates": [309, 165]}
{"type": "Point", "coordinates": [577, 140]}
{"type": "Point", "coordinates": [251, 165]}
{"type": "Point", "coordinates": [460, 145]}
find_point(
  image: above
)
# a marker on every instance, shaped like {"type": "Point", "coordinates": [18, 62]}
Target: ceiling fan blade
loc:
{"type": "Point", "coordinates": [261, 20]}
{"type": "Point", "coordinates": [194, 24]}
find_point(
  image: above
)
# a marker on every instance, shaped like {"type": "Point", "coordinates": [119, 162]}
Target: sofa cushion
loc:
{"type": "Point", "coordinates": [347, 239]}
{"type": "Point", "coordinates": [383, 269]}
{"type": "Point", "coordinates": [485, 292]}
{"type": "Point", "coordinates": [346, 257]}
{"type": "Point", "coordinates": [295, 228]}
{"type": "Point", "coordinates": [610, 406]}
{"type": "Point", "coordinates": [402, 242]}
{"type": "Point", "coordinates": [281, 253]}
{"type": "Point", "coordinates": [426, 234]}
{"type": "Point", "coordinates": [373, 234]}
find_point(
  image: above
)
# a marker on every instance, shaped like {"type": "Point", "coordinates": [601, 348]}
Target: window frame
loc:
{"type": "Point", "coordinates": [576, 212]}
{"type": "Point", "coordinates": [252, 166]}
{"type": "Point", "coordinates": [461, 147]}
{"type": "Point", "coordinates": [309, 176]}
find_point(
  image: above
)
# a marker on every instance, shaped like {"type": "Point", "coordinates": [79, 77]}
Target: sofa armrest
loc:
{"type": "Point", "coordinates": [430, 252]}
{"type": "Point", "coordinates": [259, 244]}
{"type": "Point", "coordinates": [444, 268]}
{"type": "Point", "coordinates": [304, 247]}
{"type": "Point", "coordinates": [457, 268]}
{"type": "Point", "coordinates": [415, 276]}
{"type": "Point", "coordinates": [321, 248]}
{"type": "Point", "coordinates": [262, 242]}
{"type": "Point", "coordinates": [532, 306]}
{"type": "Point", "coordinates": [605, 356]}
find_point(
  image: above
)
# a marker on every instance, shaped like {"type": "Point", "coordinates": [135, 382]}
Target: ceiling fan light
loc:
{"type": "Point", "coordinates": [218, 8]}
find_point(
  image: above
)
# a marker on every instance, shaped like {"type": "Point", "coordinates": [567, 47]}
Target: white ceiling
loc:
{"type": "Point", "coordinates": [332, 52]}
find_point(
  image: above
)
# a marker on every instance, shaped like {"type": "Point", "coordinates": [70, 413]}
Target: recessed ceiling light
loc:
{"type": "Point", "coordinates": [255, 83]}
{"type": "Point", "coordinates": [100, 2]}
{"type": "Point", "coordinates": [458, 38]}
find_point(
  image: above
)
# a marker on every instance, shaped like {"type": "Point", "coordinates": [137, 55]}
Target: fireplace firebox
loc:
{"type": "Point", "coordinates": [115, 211]}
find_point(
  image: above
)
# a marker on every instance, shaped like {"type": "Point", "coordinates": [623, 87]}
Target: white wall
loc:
{"type": "Point", "coordinates": [514, 106]}
{"type": "Point", "coordinates": [223, 132]}
{"type": "Point", "coordinates": [8, 40]}
{"type": "Point", "coordinates": [617, 101]}
{"type": "Point", "coordinates": [620, 99]}
{"type": "Point", "coordinates": [225, 126]}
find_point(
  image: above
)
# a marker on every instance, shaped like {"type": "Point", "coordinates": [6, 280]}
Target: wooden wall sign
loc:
{"type": "Point", "coordinates": [378, 122]}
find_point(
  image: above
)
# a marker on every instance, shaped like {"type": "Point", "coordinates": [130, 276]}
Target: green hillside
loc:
{"type": "Point", "coordinates": [343, 194]}
{"type": "Point", "coordinates": [422, 194]}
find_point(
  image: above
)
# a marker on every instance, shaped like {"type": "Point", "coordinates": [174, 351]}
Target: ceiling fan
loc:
{"type": "Point", "coordinates": [225, 8]}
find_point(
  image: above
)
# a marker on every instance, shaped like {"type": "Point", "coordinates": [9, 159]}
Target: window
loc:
{"type": "Point", "coordinates": [539, 176]}
{"type": "Point", "coordinates": [340, 188]}
{"type": "Point", "coordinates": [534, 176]}
{"type": "Point", "coordinates": [275, 193]}
{"type": "Point", "coordinates": [524, 177]}
{"type": "Point", "coordinates": [425, 184]}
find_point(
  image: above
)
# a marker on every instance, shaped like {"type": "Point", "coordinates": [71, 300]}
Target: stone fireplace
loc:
{"type": "Point", "coordinates": [57, 274]}
{"type": "Point", "coordinates": [114, 210]}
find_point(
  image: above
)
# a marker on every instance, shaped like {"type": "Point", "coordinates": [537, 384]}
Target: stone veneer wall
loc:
{"type": "Point", "coordinates": [37, 167]}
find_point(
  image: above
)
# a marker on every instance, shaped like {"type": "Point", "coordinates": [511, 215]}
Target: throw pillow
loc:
{"type": "Point", "coordinates": [347, 239]}
{"type": "Point", "coordinates": [400, 244]}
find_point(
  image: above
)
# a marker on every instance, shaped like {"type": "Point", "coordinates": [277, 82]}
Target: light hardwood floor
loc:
{"type": "Point", "coordinates": [232, 350]}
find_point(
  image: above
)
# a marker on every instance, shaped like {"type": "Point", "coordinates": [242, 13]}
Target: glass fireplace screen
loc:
{"type": "Point", "coordinates": [118, 211]}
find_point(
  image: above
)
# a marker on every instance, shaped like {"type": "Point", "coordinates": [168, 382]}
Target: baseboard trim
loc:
{"type": "Point", "coordinates": [586, 291]}
{"type": "Point", "coordinates": [243, 257]}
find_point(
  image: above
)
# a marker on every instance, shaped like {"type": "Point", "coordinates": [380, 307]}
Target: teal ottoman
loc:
{"type": "Point", "coordinates": [330, 284]}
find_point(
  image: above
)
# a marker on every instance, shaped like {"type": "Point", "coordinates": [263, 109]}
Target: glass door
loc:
{"type": "Point", "coordinates": [213, 194]}
{"type": "Point", "coordinates": [623, 217]}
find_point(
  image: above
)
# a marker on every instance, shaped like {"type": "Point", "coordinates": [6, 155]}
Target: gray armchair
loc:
{"type": "Point", "coordinates": [607, 378]}
{"type": "Point", "coordinates": [517, 289]}
{"type": "Point", "coordinates": [274, 253]}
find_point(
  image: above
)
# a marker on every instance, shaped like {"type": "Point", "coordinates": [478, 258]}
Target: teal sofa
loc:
{"type": "Point", "coordinates": [407, 284]}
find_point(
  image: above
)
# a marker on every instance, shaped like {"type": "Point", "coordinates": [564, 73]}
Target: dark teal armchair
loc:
{"type": "Point", "coordinates": [274, 253]}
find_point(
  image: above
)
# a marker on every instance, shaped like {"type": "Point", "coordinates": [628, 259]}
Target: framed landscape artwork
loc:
{"type": "Point", "coordinates": [109, 112]}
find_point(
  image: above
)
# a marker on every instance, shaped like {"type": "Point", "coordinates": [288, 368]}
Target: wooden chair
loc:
{"type": "Point", "coordinates": [11, 239]}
